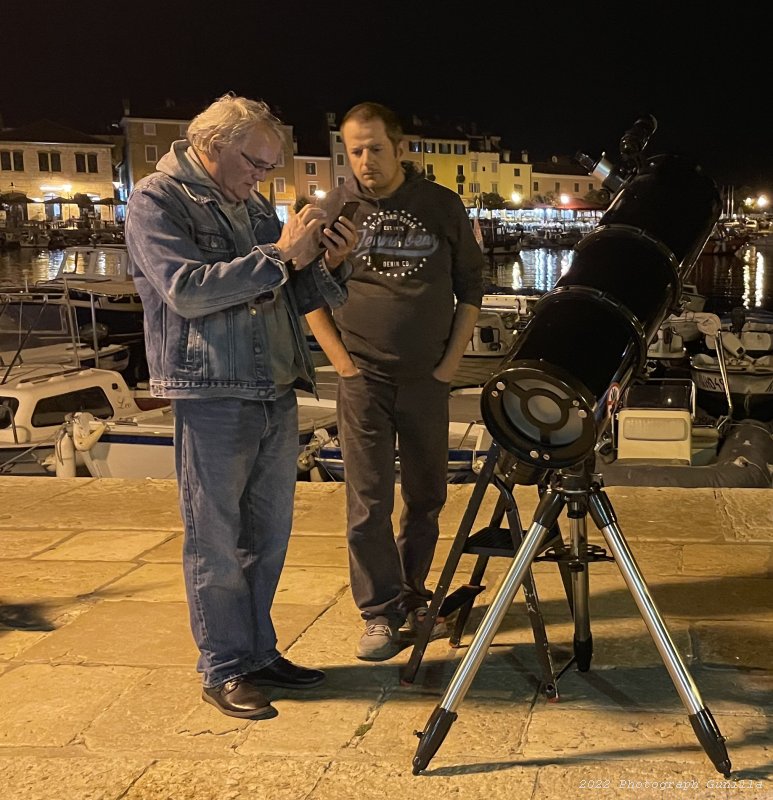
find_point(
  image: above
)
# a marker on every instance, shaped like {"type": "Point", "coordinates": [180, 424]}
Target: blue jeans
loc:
{"type": "Point", "coordinates": [236, 471]}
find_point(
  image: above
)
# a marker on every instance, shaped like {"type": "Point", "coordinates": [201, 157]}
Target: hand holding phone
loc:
{"type": "Point", "coordinates": [348, 211]}
{"type": "Point", "coordinates": [335, 248]}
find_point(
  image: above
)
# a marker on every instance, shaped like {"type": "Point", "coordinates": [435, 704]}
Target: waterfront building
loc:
{"type": "Point", "coordinates": [50, 173]}
{"type": "Point", "coordinates": [474, 164]}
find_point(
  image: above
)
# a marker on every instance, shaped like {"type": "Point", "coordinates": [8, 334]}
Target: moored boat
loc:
{"type": "Point", "coordinates": [725, 240]}
{"type": "Point", "coordinates": [747, 352]}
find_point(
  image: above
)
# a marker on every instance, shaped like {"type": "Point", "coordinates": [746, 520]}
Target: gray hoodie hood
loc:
{"type": "Point", "coordinates": [182, 164]}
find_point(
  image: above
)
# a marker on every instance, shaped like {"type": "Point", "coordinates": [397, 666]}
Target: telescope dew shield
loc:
{"type": "Point", "coordinates": [588, 337]}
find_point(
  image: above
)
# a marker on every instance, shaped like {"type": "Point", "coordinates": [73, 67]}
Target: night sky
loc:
{"type": "Point", "coordinates": [551, 80]}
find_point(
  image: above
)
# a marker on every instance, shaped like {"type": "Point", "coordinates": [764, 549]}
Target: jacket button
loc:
{"type": "Point", "coordinates": [253, 311]}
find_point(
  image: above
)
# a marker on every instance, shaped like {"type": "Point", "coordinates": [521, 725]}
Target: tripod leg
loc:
{"type": "Point", "coordinates": [583, 639]}
{"type": "Point", "coordinates": [476, 578]}
{"type": "Point", "coordinates": [702, 722]}
{"type": "Point", "coordinates": [408, 672]}
{"type": "Point", "coordinates": [444, 714]}
{"type": "Point", "coordinates": [504, 501]}
{"type": "Point", "coordinates": [533, 610]}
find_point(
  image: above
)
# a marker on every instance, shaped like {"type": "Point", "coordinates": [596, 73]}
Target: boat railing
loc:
{"type": "Point", "coordinates": [94, 263]}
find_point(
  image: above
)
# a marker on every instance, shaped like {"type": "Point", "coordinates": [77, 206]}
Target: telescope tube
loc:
{"type": "Point", "coordinates": [588, 337]}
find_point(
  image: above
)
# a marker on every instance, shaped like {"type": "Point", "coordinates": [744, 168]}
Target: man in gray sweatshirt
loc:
{"type": "Point", "coordinates": [414, 299]}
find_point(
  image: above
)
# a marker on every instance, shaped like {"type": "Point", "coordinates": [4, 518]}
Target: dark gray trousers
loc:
{"type": "Point", "coordinates": [374, 416]}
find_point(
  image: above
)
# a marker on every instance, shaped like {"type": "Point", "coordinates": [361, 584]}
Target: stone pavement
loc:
{"type": "Point", "coordinates": [99, 698]}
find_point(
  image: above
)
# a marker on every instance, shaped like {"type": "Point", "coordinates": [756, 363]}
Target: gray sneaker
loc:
{"type": "Point", "coordinates": [379, 642]}
{"type": "Point", "coordinates": [416, 619]}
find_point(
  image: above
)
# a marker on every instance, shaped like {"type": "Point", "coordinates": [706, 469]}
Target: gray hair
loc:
{"type": "Point", "coordinates": [229, 119]}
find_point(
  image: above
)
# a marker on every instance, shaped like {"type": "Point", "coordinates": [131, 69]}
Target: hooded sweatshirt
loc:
{"type": "Point", "coordinates": [416, 255]}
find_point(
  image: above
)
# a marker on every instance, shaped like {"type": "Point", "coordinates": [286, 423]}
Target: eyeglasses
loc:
{"type": "Point", "coordinates": [258, 165]}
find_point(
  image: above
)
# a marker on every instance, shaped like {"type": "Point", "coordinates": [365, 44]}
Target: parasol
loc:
{"type": "Point", "coordinates": [10, 198]}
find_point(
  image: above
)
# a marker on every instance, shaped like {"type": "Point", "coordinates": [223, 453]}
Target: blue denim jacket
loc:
{"type": "Point", "coordinates": [203, 337]}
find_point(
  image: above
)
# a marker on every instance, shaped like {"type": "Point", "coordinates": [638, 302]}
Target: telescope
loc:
{"type": "Point", "coordinates": [554, 395]}
{"type": "Point", "coordinates": [587, 340]}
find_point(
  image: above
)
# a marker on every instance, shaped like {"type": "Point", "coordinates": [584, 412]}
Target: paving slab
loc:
{"type": "Point", "coordinates": [100, 697]}
{"type": "Point", "coordinates": [50, 706]}
{"type": "Point", "coordinates": [90, 546]}
{"type": "Point", "coordinates": [69, 778]}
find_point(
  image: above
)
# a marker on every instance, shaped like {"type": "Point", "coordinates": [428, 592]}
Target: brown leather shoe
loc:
{"type": "Point", "coordinates": [239, 698]}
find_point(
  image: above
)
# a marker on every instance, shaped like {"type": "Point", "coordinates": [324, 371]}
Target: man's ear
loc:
{"type": "Point", "coordinates": [216, 144]}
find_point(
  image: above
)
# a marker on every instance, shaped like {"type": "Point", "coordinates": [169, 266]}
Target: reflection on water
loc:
{"type": "Point", "coordinates": [28, 264]}
{"type": "Point", "coordinates": [745, 279]}
{"type": "Point", "coordinates": [535, 270]}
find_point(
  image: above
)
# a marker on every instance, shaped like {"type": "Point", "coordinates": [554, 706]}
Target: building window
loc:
{"type": "Point", "coordinates": [340, 180]}
{"type": "Point", "coordinates": [494, 166]}
{"type": "Point", "coordinates": [313, 187]}
{"type": "Point", "coordinates": [86, 162]}
{"type": "Point", "coordinates": [590, 187]}
{"type": "Point", "coordinates": [460, 149]}
{"type": "Point", "coordinates": [337, 138]}
{"type": "Point", "coordinates": [12, 160]}
{"type": "Point", "coordinates": [340, 161]}
{"type": "Point", "coordinates": [430, 169]}
{"type": "Point", "coordinates": [279, 185]}
{"type": "Point", "coordinates": [149, 128]}
{"type": "Point", "coordinates": [49, 162]}
{"type": "Point", "coordinates": [495, 188]}
{"type": "Point", "coordinates": [429, 147]}
{"type": "Point", "coordinates": [516, 172]}
{"type": "Point", "coordinates": [518, 187]}
{"type": "Point", "coordinates": [556, 187]}
{"type": "Point", "coordinates": [414, 147]}
{"type": "Point", "coordinates": [474, 188]}
{"type": "Point", "coordinates": [444, 148]}
{"type": "Point", "coordinates": [536, 186]}
{"type": "Point", "coordinates": [151, 153]}
{"type": "Point", "coordinates": [576, 188]}
{"type": "Point", "coordinates": [474, 165]}
{"type": "Point", "coordinates": [311, 168]}
{"type": "Point", "coordinates": [183, 129]}
{"type": "Point", "coordinates": [460, 188]}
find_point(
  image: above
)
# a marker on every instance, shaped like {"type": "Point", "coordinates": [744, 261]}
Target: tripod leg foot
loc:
{"type": "Point", "coordinates": [711, 739]}
{"type": "Point", "coordinates": [583, 653]}
{"type": "Point", "coordinates": [432, 737]}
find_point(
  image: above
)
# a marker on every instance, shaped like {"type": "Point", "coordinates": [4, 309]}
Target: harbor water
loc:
{"type": "Point", "coordinates": [728, 281]}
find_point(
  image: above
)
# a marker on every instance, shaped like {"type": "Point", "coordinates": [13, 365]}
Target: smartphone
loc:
{"type": "Point", "coordinates": [349, 210]}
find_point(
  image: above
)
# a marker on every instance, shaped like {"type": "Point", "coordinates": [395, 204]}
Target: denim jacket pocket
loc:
{"type": "Point", "coordinates": [211, 241]}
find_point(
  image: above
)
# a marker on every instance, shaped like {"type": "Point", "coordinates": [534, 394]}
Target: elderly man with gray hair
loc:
{"type": "Point", "coordinates": [223, 284]}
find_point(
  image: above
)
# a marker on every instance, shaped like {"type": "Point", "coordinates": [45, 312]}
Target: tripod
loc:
{"type": "Point", "coordinates": [580, 491]}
